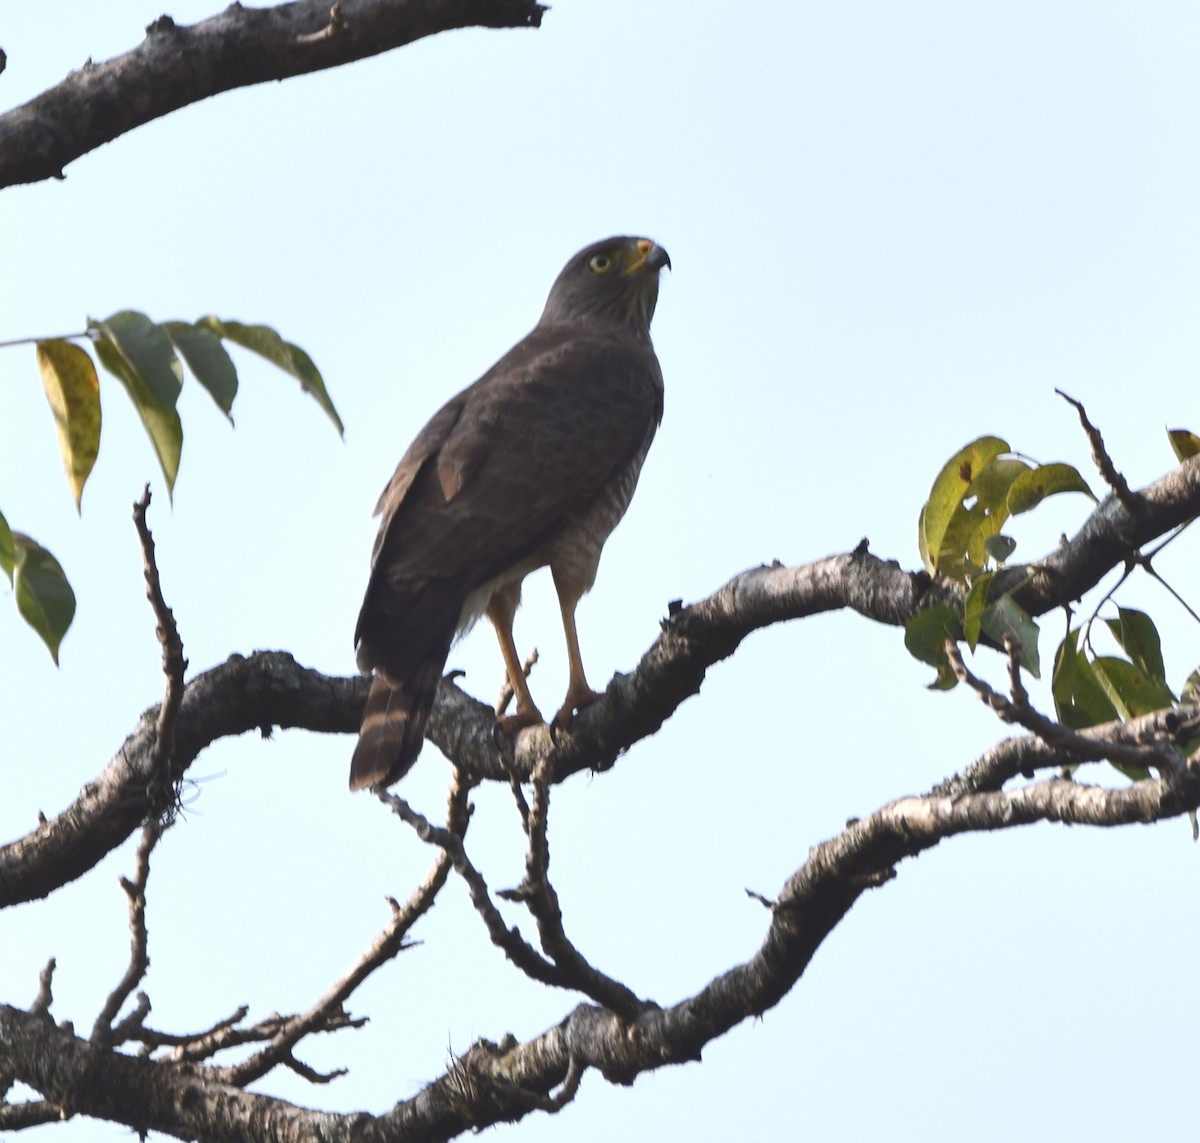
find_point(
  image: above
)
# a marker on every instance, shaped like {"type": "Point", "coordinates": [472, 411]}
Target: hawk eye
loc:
{"type": "Point", "coordinates": [600, 263]}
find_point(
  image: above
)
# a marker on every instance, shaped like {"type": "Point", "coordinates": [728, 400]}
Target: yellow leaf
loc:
{"type": "Point", "coordinates": [73, 390]}
{"type": "Point", "coordinates": [1185, 443]}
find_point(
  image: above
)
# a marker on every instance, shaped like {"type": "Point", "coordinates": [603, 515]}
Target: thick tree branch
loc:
{"type": "Point", "coordinates": [176, 65]}
{"type": "Point", "coordinates": [270, 689]}
{"type": "Point", "coordinates": [494, 1083]}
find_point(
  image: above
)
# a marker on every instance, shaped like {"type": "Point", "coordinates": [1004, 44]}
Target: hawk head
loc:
{"type": "Point", "coordinates": [614, 280]}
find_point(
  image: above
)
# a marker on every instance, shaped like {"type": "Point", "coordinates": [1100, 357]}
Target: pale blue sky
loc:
{"type": "Point", "coordinates": [894, 227]}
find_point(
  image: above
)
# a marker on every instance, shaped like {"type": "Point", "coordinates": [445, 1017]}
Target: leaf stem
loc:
{"type": "Point", "coordinates": [35, 340]}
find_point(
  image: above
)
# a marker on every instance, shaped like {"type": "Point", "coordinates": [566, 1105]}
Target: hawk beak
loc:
{"type": "Point", "coordinates": [648, 256]}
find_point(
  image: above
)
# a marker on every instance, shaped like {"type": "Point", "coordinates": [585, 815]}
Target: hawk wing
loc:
{"type": "Point", "coordinates": [495, 476]}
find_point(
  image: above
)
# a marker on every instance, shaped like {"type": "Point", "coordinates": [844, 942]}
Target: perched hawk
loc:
{"type": "Point", "coordinates": [533, 465]}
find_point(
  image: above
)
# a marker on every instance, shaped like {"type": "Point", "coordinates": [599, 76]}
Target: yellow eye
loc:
{"type": "Point", "coordinates": [600, 263]}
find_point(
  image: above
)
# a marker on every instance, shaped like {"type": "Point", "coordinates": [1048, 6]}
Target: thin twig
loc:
{"type": "Point", "coordinates": [388, 943]}
{"type": "Point", "coordinates": [45, 993]}
{"type": "Point", "coordinates": [509, 940]}
{"type": "Point", "coordinates": [506, 688]}
{"type": "Point", "coordinates": [34, 340]}
{"type": "Point", "coordinates": [139, 957]}
{"type": "Point", "coordinates": [1100, 456]}
{"type": "Point", "coordinates": [335, 27]}
{"type": "Point", "coordinates": [1157, 754]}
{"type": "Point", "coordinates": [163, 791]}
{"type": "Point", "coordinates": [541, 900]}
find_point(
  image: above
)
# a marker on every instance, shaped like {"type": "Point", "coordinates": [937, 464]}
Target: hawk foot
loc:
{"type": "Point", "coordinates": [509, 724]}
{"type": "Point", "coordinates": [577, 698]}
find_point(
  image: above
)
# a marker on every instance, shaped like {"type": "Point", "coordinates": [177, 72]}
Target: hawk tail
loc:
{"type": "Point", "coordinates": [393, 728]}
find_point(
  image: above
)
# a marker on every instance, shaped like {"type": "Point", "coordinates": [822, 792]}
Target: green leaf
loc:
{"type": "Point", "coordinates": [1131, 691]}
{"type": "Point", "coordinates": [925, 637]}
{"type": "Point", "coordinates": [1079, 699]}
{"type": "Point", "coordinates": [1032, 487]}
{"type": "Point", "coordinates": [1191, 687]}
{"type": "Point", "coordinates": [999, 547]}
{"type": "Point", "coordinates": [1138, 637]}
{"type": "Point", "coordinates": [8, 549]}
{"type": "Point", "coordinates": [974, 608]}
{"type": "Point", "coordinates": [264, 341]}
{"type": "Point", "coordinates": [1006, 618]}
{"type": "Point", "coordinates": [947, 494]}
{"type": "Point", "coordinates": [1185, 443]}
{"type": "Point", "coordinates": [138, 353]}
{"type": "Point", "coordinates": [73, 390]}
{"type": "Point", "coordinates": [207, 359]}
{"type": "Point", "coordinates": [44, 597]}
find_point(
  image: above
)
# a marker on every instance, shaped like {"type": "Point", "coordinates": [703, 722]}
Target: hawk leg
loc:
{"type": "Point", "coordinates": [500, 610]}
{"type": "Point", "coordinates": [579, 694]}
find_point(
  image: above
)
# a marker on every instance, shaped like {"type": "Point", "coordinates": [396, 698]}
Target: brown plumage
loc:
{"type": "Point", "coordinates": [532, 465]}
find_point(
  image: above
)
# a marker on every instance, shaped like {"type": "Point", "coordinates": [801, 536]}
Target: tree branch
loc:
{"type": "Point", "coordinates": [495, 1083]}
{"type": "Point", "coordinates": [178, 65]}
{"type": "Point", "coordinates": [271, 689]}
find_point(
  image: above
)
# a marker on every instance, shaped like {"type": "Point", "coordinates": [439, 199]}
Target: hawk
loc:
{"type": "Point", "coordinates": [532, 465]}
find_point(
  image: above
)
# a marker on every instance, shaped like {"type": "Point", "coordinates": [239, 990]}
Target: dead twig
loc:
{"type": "Point", "coordinates": [1114, 479]}
{"type": "Point", "coordinates": [139, 957]}
{"type": "Point", "coordinates": [164, 793]}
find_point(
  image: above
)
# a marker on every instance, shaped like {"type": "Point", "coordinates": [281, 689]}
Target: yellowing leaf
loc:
{"type": "Point", "coordinates": [1032, 487]}
{"type": "Point", "coordinates": [974, 607]}
{"type": "Point", "coordinates": [946, 502]}
{"type": "Point", "coordinates": [138, 353]}
{"type": "Point", "coordinates": [1131, 691]}
{"type": "Point", "coordinates": [44, 597]}
{"type": "Point", "coordinates": [73, 390]}
{"type": "Point", "coordinates": [8, 551]}
{"type": "Point", "coordinates": [1185, 443]}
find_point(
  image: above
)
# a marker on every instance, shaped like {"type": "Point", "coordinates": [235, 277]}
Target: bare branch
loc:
{"type": "Point", "coordinates": [1026, 755]}
{"type": "Point", "coordinates": [508, 940]}
{"type": "Point", "coordinates": [494, 1083]}
{"type": "Point", "coordinates": [1080, 747]}
{"type": "Point", "coordinates": [178, 65]}
{"type": "Point", "coordinates": [540, 898]}
{"type": "Point", "coordinates": [238, 696]}
{"type": "Point", "coordinates": [506, 691]}
{"type": "Point", "coordinates": [163, 794]}
{"type": "Point", "coordinates": [139, 957]}
{"type": "Point", "coordinates": [271, 689]}
{"type": "Point", "coordinates": [45, 994]}
{"type": "Point", "coordinates": [389, 943]}
{"type": "Point", "coordinates": [1100, 456]}
{"type": "Point", "coordinates": [33, 1113]}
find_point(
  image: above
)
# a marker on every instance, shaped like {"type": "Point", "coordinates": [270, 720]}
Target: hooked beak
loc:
{"type": "Point", "coordinates": [649, 256]}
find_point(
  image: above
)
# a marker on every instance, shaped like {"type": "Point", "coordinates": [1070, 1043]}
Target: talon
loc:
{"type": "Point", "coordinates": [509, 724]}
{"type": "Point", "coordinates": [577, 698]}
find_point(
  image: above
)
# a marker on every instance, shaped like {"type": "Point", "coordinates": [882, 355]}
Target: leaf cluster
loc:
{"type": "Point", "coordinates": [145, 356]}
{"type": "Point", "coordinates": [960, 540]}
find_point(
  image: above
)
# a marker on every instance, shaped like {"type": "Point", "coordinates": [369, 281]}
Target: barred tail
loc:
{"type": "Point", "coordinates": [393, 728]}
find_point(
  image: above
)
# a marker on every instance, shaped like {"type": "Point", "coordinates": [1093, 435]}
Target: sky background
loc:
{"type": "Point", "coordinates": [894, 227]}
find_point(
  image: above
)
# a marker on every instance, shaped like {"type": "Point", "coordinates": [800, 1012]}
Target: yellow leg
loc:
{"type": "Point", "coordinates": [579, 694]}
{"type": "Point", "coordinates": [500, 610]}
